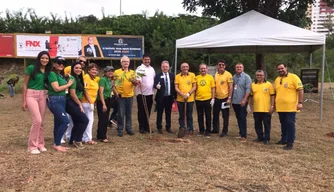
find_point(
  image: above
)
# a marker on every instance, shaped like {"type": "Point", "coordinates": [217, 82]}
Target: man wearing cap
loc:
{"type": "Point", "coordinates": [125, 82]}
{"type": "Point", "coordinates": [144, 93]}
{"type": "Point", "coordinates": [223, 94]}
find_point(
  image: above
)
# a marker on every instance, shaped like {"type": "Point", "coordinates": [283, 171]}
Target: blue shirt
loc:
{"type": "Point", "coordinates": [241, 86]}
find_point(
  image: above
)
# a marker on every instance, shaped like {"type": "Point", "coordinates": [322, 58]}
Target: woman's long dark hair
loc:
{"type": "Point", "coordinates": [37, 66]}
{"type": "Point", "coordinates": [78, 78]}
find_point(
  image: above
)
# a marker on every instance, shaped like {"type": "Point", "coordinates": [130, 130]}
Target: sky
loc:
{"type": "Point", "coordinates": [75, 8]}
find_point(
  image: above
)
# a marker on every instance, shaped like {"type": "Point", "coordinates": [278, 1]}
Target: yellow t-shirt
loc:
{"type": "Point", "coordinates": [67, 71]}
{"type": "Point", "coordinates": [91, 87]}
{"type": "Point", "coordinates": [204, 87]}
{"type": "Point", "coordinates": [222, 81]}
{"type": "Point", "coordinates": [261, 93]}
{"type": "Point", "coordinates": [286, 89]}
{"type": "Point", "coordinates": [185, 84]}
{"type": "Point", "coordinates": [126, 88]}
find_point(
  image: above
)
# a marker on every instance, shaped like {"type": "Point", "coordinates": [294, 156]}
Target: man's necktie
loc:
{"type": "Point", "coordinates": [166, 85]}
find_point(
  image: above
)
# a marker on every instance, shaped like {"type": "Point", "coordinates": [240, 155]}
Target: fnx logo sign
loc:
{"type": "Point", "coordinates": [33, 44]}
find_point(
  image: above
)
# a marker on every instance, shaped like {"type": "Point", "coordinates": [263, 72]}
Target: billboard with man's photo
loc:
{"type": "Point", "coordinates": [113, 47]}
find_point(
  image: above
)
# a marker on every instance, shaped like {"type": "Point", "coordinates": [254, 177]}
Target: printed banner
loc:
{"type": "Point", "coordinates": [30, 45]}
{"type": "Point", "coordinates": [6, 45]}
{"type": "Point", "coordinates": [112, 47]}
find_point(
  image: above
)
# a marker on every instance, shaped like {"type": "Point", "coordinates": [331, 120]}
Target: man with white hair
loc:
{"type": "Point", "coordinates": [125, 93]}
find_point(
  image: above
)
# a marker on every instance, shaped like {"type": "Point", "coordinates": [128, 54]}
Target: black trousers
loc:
{"type": "Point", "coordinates": [225, 113]}
{"type": "Point", "coordinates": [80, 120]}
{"type": "Point", "coordinates": [262, 120]}
{"type": "Point", "coordinates": [204, 108]}
{"type": "Point", "coordinates": [142, 118]}
{"type": "Point", "coordinates": [103, 119]}
{"type": "Point", "coordinates": [166, 105]}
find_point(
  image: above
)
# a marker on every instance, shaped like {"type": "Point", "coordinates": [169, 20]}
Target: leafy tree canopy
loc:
{"type": "Point", "coordinates": [290, 11]}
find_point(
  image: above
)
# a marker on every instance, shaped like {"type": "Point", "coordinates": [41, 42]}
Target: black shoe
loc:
{"type": "Point", "coordinates": [214, 131]}
{"type": "Point", "coordinates": [182, 132]}
{"type": "Point", "coordinates": [160, 131]}
{"type": "Point", "coordinates": [207, 134]}
{"type": "Point", "coordinates": [266, 142]}
{"type": "Point", "coordinates": [130, 133]}
{"type": "Point", "coordinates": [223, 135]}
{"type": "Point", "coordinates": [169, 131]}
{"type": "Point", "coordinates": [120, 134]}
{"type": "Point", "coordinates": [258, 140]}
{"type": "Point", "coordinates": [281, 142]}
{"type": "Point", "coordinates": [288, 147]}
{"type": "Point", "coordinates": [142, 131]}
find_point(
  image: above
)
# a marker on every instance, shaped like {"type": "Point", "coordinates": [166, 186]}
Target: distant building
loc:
{"type": "Point", "coordinates": [318, 13]}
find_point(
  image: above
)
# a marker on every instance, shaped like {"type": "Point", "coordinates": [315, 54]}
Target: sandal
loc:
{"type": "Point", "coordinates": [91, 142]}
{"type": "Point", "coordinates": [78, 144]}
{"type": "Point", "coordinates": [105, 141]}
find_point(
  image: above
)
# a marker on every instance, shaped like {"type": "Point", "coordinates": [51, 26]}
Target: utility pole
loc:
{"type": "Point", "coordinates": [120, 7]}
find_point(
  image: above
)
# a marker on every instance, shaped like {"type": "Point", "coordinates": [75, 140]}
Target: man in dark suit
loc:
{"type": "Point", "coordinates": [91, 50]}
{"type": "Point", "coordinates": [164, 98]}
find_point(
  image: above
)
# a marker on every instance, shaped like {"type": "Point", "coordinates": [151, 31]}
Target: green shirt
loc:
{"type": "Point", "coordinates": [74, 86]}
{"type": "Point", "coordinates": [54, 77]}
{"type": "Point", "coordinates": [38, 82]}
{"type": "Point", "coordinates": [106, 83]}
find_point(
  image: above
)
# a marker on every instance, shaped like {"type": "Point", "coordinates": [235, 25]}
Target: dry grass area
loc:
{"type": "Point", "coordinates": [138, 163]}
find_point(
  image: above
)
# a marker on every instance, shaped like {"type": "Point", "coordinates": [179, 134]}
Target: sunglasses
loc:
{"type": "Point", "coordinates": [59, 63]}
{"type": "Point", "coordinates": [81, 61]}
{"type": "Point", "coordinates": [221, 64]}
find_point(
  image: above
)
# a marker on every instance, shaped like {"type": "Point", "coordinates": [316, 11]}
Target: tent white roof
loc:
{"type": "Point", "coordinates": [253, 32]}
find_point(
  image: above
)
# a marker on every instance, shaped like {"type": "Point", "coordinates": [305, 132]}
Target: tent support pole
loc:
{"type": "Point", "coordinates": [209, 59]}
{"type": "Point", "coordinates": [175, 66]}
{"type": "Point", "coordinates": [311, 54]}
{"type": "Point", "coordinates": [322, 81]}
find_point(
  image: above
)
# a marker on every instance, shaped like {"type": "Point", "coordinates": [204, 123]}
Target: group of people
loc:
{"type": "Point", "coordinates": [71, 95]}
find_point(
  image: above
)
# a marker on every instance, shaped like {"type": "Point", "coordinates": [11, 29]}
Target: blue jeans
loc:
{"type": "Point", "coordinates": [189, 114]}
{"type": "Point", "coordinates": [241, 115]}
{"type": "Point", "coordinates": [124, 112]}
{"type": "Point", "coordinates": [11, 89]}
{"type": "Point", "coordinates": [57, 105]}
{"type": "Point", "coordinates": [288, 127]}
{"type": "Point", "coordinates": [80, 120]}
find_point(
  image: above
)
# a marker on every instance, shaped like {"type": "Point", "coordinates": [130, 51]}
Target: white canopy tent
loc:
{"type": "Point", "coordinates": [254, 32]}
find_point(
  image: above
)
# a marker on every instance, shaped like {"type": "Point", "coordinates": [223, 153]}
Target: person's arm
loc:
{"type": "Point", "coordinates": [76, 99]}
{"type": "Point", "coordinates": [300, 99]}
{"type": "Point", "coordinates": [24, 91]}
{"type": "Point", "coordinates": [104, 106]}
{"type": "Point", "coordinates": [55, 85]}
{"type": "Point", "coordinates": [193, 89]}
{"type": "Point", "coordinates": [230, 92]}
{"type": "Point", "coordinates": [272, 104]}
{"type": "Point", "coordinates": [247, 87]}
{"type": "Point", "coordinates": [87, 97]}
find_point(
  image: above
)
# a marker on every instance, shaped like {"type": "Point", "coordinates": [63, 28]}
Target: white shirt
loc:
{"type": "Point", "coordinates": [93, 50]}
{"type": "Point", "coordinates": [166, 76]}
{"type": "Point", "coordinates": [147, 81]}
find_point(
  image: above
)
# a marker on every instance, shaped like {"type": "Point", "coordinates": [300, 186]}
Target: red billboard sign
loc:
{"type": "Point", "coordinates": [6, 45]}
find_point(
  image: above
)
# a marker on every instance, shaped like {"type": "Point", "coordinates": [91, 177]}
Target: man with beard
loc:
{"type": "Point", "coordinates": [289, 100]}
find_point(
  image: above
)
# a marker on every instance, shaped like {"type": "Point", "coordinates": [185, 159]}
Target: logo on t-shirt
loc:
{"type": "Point", "coordinates": [202, 82]}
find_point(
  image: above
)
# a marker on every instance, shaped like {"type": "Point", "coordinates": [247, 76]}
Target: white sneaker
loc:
{"type": "Point", "coordinates": [34, 151]}
{"type": "Point", "coordinates": [43, 149]}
